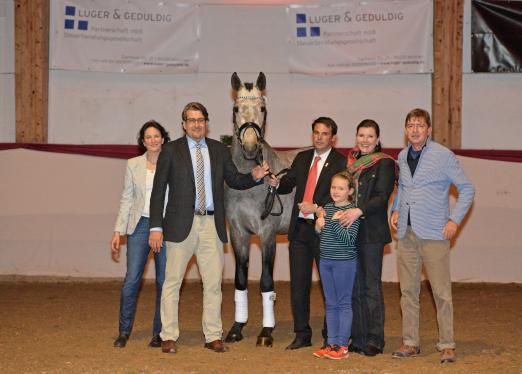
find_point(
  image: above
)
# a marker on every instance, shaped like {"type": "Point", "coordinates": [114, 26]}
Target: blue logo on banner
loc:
{"type": "Point", "coordinates": [83, 25]}
{"type": "Point", "coordinates": [70, 11]}
{"type": "Point", "coordinates": [69, 24]}
{"type": "Point", "coordinates": [302, 30]}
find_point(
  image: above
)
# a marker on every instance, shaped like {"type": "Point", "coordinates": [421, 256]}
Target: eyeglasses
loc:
{"type": "Point", "coordinates": [418, 126]}
{"type": "Point", "coordinates": [192, 121]}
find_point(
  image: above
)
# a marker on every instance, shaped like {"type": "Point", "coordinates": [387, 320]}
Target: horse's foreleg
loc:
{"type": "Point", "coordinates": [267, 265]}
{"type": "Point", "coordinates": [241, 243]}
{"type": "Point", "coordinates": [267, 292]}
{"type": "Point", "coordinates": [267, 281]}
{"type": "Point", "coordinates": [241, 252]}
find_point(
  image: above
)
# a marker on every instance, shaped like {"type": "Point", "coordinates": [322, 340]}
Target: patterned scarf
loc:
{"type": "Point", "coordinates": [357, 165]}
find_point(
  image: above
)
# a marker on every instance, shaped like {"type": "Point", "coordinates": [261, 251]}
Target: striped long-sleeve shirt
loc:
{"type": "Point", "coordinates": [425, 195]}
{"type": "Point", "coordinates": [338, 242]}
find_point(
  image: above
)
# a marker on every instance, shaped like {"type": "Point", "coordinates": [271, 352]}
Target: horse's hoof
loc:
{"type": "Point", "coordinates": [233, 338]}
{"type": "Point", "coordinates": [264, 341]}
{"type": "Point", "coordinates": [265, 338]}
{"type": "Point", "coordinates": [235, 335]}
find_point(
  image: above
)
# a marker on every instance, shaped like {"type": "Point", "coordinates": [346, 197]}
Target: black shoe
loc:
{"type": "Point", "coordinates": [300, 343]}
{"type": "Point", "coordinates": [155, 342]}
{"type": "Point", "coordinates": [352, 348]}
{"type": "Point", "coordinates": [371, 350]}
{"type": "Point", "coordinates": [121, 341]}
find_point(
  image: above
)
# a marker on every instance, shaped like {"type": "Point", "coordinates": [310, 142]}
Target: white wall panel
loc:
{"type": "Point", "coordinates": [7, 108]}
{"type": "Point", "coordinates": [60, 219]}
{"type": "Point", "coordinates": [492, 111]}
{"type": "Point", "coordinates": [7, 36]}
{"type": "Point", "coordinates": [7, 84]}
{"type": "Point", "coordinates": [106, 108]}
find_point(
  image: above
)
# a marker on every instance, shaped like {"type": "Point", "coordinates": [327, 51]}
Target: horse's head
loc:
{"type": "Point", "coordinates": [249, 115]}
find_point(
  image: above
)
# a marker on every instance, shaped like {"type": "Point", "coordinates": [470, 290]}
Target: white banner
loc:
{"type": "Point", "coordinates": [374, 37]}
{"type": "Point", "coordinates": [138, 36]}
{"type": "Point", "coordinates": [7, 55]}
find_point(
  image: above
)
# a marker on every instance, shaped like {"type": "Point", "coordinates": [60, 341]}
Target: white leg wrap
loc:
{"type": "Point", "coordinates": [241, 299]}
{"type": "Point", "coordinates": [268, 308]}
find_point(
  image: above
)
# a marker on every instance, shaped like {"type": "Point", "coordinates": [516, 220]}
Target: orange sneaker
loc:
{"type": "Point", "coordinates": [337, 353]}
{"type": "Point", "coordinates": [323, 351]}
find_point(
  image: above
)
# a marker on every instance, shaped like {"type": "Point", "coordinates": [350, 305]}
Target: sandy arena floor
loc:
{"type": "Point", "coordinates": [69, 327]}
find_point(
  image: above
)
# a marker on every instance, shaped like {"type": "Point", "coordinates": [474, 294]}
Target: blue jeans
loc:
{"type": "Point", "coordinates": [137, 254]}
{"type": "Point", "coordinates": [337, 278]}
{"type": "Point", "coordinates": [368, 300]}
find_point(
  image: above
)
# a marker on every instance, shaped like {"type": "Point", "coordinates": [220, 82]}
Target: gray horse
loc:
{"type": "Point", "coordinates": [245, 208]}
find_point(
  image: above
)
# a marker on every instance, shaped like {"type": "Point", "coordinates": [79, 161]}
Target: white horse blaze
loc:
{"type": "Point", "coordinates": [250, 139]}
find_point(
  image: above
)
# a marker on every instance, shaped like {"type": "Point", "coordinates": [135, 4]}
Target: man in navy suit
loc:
{"type": "Point", "coordinates": [310, 174]}
{"type": "Point", "coordinates": [195, 169]}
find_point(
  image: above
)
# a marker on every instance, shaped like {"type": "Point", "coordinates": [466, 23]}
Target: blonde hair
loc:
{"type": "Point", "coordinates": [345, 175]}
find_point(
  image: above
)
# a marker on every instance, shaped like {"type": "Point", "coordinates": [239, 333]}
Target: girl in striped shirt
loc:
{"type": "Point", "coordinates": [337, 266]}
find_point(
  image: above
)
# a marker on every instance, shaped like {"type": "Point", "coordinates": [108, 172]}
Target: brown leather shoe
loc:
{"type": "Point", "coordinates": [448, 355]}
{"type": "Point", "coordinates": [168, 346]}
{"type": "Point", "coordinates": [217, 346]}
{"type": "Point", "coordinates": [406, 351]}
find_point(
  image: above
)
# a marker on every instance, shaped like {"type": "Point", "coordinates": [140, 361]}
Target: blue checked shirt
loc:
{"type": "Point", "coordinates": [426, 195]}
{"type": "Point", "coordinates": [209, 199]}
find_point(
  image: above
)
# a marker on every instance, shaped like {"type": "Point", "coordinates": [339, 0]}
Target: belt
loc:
{"type": "Point", "coordinates": [306, 221]}
{"type": "Point", "coordinates": [205, 213]}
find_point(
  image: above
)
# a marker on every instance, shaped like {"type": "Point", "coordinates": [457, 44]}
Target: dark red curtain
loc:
{"type": "Point", "coordinates": [129, 151]}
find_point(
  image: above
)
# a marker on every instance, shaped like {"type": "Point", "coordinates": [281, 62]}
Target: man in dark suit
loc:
{"type": "Point", "coordinates": [194, 167]}
{"type": "Point", "coordinates": [310, 174]}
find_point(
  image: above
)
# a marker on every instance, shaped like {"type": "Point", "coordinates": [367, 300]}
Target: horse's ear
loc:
{"type": "Point", "coordinates": [261, 81]}
{"type": "Point", "coordinates": [235, 81]}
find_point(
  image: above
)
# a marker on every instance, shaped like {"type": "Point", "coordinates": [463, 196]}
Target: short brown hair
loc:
{"type": "Point", "coordinates": [328, 122]}
{"type": "Point", "coordinates": [198, 107]}
{"type": "Point", "coordinates": [420, 113]}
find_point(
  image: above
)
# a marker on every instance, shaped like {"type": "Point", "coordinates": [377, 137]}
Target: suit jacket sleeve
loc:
{"type": "Point", "coordinates": [464, 186]}
{"type": "Point", "coordinates": [233, 177]}
{"type": "Point", "coordinates": [157, 197]}
{"type": "Point", "coordinates": [125, 202]}
{"type": "Point", "coordinates": [289, 180]}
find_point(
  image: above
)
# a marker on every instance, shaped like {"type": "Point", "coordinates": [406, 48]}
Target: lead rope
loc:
{"type": "Point", "coordinates": [271, 193]}
{"type": "Point", "coordinates": [270, 197]}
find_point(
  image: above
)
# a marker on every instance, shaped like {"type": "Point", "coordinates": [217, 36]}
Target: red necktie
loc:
{"type": "Point", "coordinates": [311, 182]}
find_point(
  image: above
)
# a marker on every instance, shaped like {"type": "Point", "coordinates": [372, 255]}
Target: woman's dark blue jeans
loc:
{"type": "Point", "coordinates": [138, 250]}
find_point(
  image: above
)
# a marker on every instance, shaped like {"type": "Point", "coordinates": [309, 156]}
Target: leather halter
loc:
{"type": "Point", "coordinates": [258, 130]}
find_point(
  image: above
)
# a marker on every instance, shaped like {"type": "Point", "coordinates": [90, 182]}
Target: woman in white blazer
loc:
{"type": "Point", "coordinates": [133, 221]}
